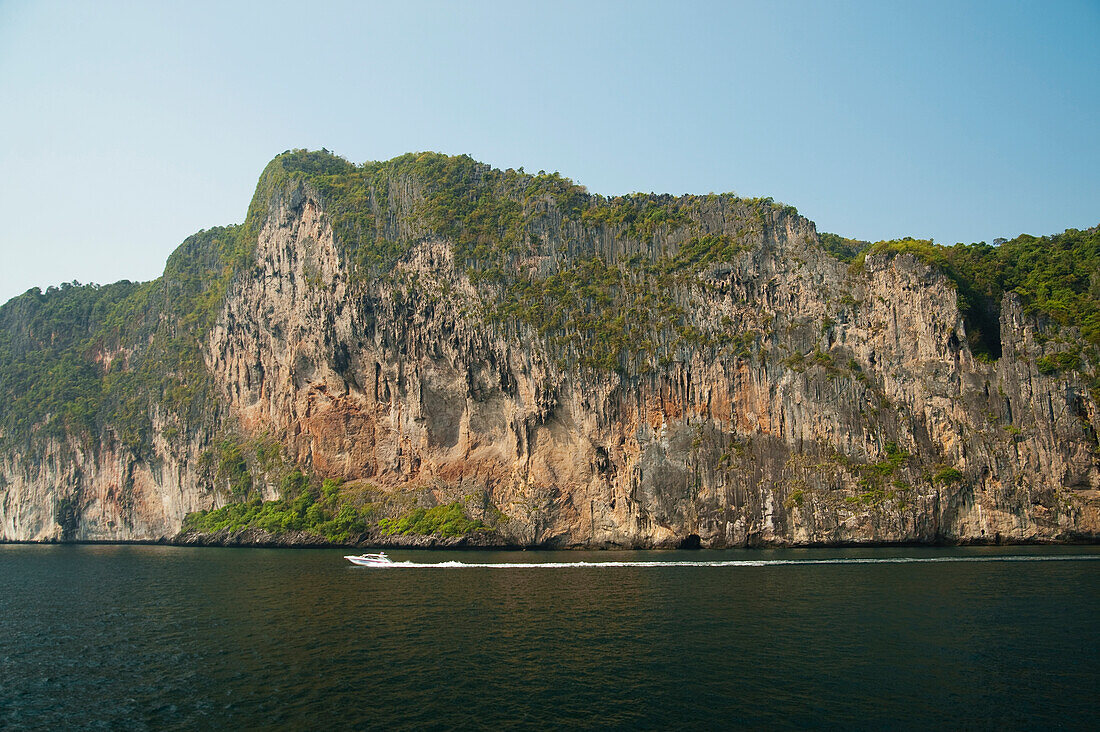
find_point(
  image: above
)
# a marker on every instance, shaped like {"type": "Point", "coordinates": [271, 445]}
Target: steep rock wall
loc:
{"type": "Point", "coordinates": [66, 490]}
{"type": "Point", "coordinates": [401, 384]}
{"type": "Point", "coordinates": [850, 408]}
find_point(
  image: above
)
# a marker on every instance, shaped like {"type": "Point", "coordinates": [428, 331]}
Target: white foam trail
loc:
{"type": "Point", "coordinates": [731, 562]}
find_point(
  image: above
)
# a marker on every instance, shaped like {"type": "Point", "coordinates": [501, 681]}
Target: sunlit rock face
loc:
{"type": "Point", "coordinates": [790, 398]}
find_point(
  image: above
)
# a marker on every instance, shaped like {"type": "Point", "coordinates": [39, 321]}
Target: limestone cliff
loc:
{"type": "Point", "coordinates": [572, 371]}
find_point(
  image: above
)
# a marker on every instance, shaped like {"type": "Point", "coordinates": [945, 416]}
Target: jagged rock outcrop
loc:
{"type": "Point", "coordinates": [788, 398]}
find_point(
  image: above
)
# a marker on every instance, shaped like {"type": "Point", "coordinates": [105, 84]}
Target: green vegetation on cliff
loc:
{"type": "Point", "coordinates": [327, 512]}
{"type": "Point", "coordinates": [610, 310]}
{"type": "Point", "coordinates": [846, 250]}
{"type": "Point", "coordinates": [48, 379]}
{"type": "Point", "coordinates": [82, 359]}
{"type": "Point", "coordinates": [318, 511]}
{"type": "Point", "coordinates": [446, 521]}
{"type": "Point", "coordinates": [596, 307]}
{"type": "Point", "coordinates": [1055, 276]}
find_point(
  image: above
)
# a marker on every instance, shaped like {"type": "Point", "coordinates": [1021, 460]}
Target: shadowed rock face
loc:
{"type": "Point", "coordinates": [812, 403]}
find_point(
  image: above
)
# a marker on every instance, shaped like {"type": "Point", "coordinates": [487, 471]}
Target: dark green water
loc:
{"type": "Point", "coordinates": [130, 637]}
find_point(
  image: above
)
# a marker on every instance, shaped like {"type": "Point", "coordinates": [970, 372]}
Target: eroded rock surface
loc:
{"type": "Point", "coordinates": [849, 408]}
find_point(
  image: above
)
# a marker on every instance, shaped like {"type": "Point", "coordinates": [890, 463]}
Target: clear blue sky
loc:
{"type": "Point", "coordinates": [124, 127]}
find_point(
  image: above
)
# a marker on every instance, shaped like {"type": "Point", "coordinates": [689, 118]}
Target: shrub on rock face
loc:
{"type": "Point", "coordinates": [948, 476]}
{"type": "Point", "coordinates": [1064, 361]}
{"type": "Point", "coordinates": [1055, 276]}
{"type": "Point", "coordinates": [445, 521]}
{"type": "Point", "coordinates": [322, 513]}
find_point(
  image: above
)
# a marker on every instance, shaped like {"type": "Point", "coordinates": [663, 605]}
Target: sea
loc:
{"type": "Point", "coordinates": [132, 637]}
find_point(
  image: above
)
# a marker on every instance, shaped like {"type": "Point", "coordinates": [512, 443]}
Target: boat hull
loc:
{"type": "Point", "coordinates": [368, 561]}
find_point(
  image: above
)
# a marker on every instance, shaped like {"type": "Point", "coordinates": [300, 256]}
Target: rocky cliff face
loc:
{"type": "Point", "coordinates": [788, 398]}
{"type": "Point", "coordinates": [62, 489]}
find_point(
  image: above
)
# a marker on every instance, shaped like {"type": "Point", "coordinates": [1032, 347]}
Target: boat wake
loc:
{"type": "Point", "coordinates": [732, 562]}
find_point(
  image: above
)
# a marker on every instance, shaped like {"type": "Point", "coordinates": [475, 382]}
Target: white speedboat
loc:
{"type": "Point", "coordinates": [369, 560]}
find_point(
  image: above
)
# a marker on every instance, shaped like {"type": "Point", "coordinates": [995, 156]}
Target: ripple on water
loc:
{"type": "Point", "coordinates": [162, 638]}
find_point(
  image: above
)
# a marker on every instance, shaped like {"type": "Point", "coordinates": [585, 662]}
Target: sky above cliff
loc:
{"type": "Point", "coordinates": [127, 126]}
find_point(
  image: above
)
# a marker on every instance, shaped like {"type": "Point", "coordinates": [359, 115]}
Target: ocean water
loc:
{"type": "Point", "coordinates": [150, 637]}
